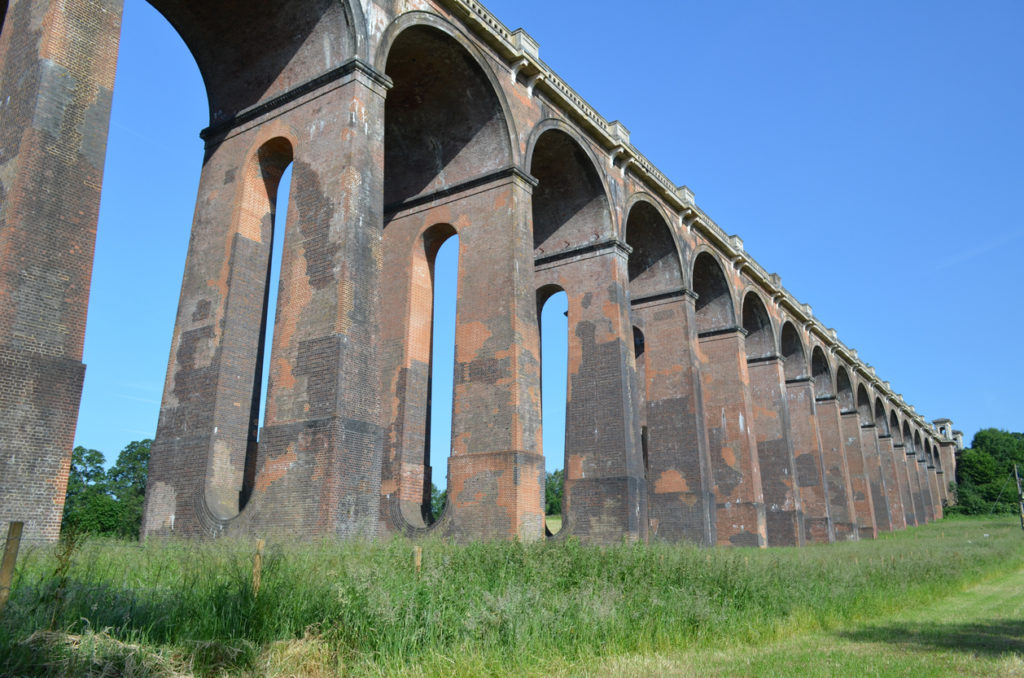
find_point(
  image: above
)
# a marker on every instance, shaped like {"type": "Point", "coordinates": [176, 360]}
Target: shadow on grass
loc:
{"type": "Point", "coordinates": [993, 638]}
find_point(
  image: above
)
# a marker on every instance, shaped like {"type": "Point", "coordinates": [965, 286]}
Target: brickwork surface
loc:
{"type": "Point", "coordinates": [692, 413]}
{"type": "Point", "coordinates": [56, 80]}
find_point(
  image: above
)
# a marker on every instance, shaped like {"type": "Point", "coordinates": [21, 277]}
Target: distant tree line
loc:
{"type": "Point", "coordinates": [107, 501]}
{"type": "Point", "coordinates": [984, 474]}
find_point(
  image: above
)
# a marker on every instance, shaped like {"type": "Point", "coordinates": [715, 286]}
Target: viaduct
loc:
{"type": "Point", "coordinates": [704, 402]}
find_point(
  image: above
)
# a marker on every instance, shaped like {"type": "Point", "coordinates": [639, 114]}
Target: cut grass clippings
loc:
{"type": "Point", "coordinates": [359, 608]}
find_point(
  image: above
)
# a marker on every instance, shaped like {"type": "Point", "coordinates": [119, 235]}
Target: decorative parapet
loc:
{"type": "Point", "coordinates": [522, 53]}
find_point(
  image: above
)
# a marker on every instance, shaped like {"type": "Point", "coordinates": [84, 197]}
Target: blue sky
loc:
{"type": "Point", "coordinates": [871, 153]}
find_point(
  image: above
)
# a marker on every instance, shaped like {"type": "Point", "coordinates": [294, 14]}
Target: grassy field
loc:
{"type": "Point", "coordinates": [886, 607]}
{"type": "Point", "coordinates": [977, 632]}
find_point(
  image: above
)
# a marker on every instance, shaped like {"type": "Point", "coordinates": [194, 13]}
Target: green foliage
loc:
{"type": "Point", "coordinates": [126, 481]}
{"type": "Point", "coordinates": [85, 506]}
{"type": "Point", "coordinates": [438, 500]}
{"type": "Point", "coordinates": [553, 489]}
{"type": "Point", "coordinates": [107, 501]}
{"type": "Point", "coordinates": [487, 609]}
{"type": "Point", "coordinates": [984, 473]}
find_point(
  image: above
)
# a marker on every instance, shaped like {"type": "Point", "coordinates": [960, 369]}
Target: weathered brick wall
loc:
{"type": "Point", "coordinates": [689, 416]}
{"type": "Point", "coordinates": [57, 62]}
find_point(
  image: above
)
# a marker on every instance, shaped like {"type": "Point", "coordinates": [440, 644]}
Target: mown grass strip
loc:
{"type": "Point", "coordinates": [475, 609]}
{"type": "Point", "coordinates": [978, 632]}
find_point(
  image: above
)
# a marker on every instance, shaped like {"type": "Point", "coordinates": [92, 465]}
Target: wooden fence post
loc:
{"type": "Point", "coordinates": [7, 566]}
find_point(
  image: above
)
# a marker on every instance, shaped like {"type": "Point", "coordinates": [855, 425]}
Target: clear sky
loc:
{"type": "Point", "coordinates": [871, 153]}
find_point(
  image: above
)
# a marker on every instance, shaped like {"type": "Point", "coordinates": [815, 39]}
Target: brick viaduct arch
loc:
{"type": "Point", "coordinates": [704, 402]}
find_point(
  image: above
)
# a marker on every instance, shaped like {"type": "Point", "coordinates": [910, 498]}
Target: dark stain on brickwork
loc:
{"type": "Point", "coordinates": [315, 211]}
{"type": "Point", "coordinates": [807, 470]}
{"type": "Point", "coordinates": [20, 78]}
{"type": "Point", "coordinates": [202, 310]}
{"type": "Point", "coordinates": [316, 360]}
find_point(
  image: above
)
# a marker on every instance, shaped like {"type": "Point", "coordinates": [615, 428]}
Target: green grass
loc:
{"type": "Point", "coordinates": [977, 632]}
{"type": "Point", "coordinates": [359, 608]}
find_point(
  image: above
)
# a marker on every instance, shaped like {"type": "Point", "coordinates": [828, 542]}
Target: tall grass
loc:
{"type": "Point", "coordinates": [486, 608]}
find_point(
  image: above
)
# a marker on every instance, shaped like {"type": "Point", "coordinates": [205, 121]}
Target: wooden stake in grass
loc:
{"type": "Point", "coordinates": [417, 558]}
{"type": "Point", "coordinates": [7, 567]}
{"type": "Point", "coordinates": [257, 568]}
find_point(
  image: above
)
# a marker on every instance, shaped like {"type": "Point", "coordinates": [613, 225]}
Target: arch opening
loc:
{"type": "Point", "coordinates": [844, 389]}
{"type": "Point", "coordinates": [250, 52]}
{"type": "Point", "coordinates": [821, 373]}
{"type": "Point", "coordinates": [273, 164]}
{"type": "Point", "coordinates": [864, 406]}
{"type": "Point", "coordinates": [654, 262]}
{"type": "Point", "coordinates": [760, 336]}
{"type": "Point", "coordinates": [793, 352]}
{"type": "Point", "coordinates": [640, 362]}
{"type": "Point", "coordinates": [442, 250]}
{"type": "Point", "coordinates": [570, 207]}
{"type": "Point", "coordinates": [443, 122]}
{"type": "Point", "coordinates": [553, 315]}
{"type": "Point", "coordinates": [880, 421]}
{"type": "Point", "coordinates": [158, 87]}
{"type": "Point", "coordinates": [894, 427]}
{"type": "Point", "coordinates": [714, 297]}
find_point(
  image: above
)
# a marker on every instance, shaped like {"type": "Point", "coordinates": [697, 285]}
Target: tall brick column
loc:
{"type": "Point", "coordinates": [803, 432]}
{"type": "Point", "coordinates": [783, 510]}
{"type": "Point", "coordinates": [947, 457]}
{"type": "Point", "coordinates": [57, 63]}
{"type": "Point", "coordinates": [876, 479]}
{"type": "Point", "coordinates": [836, 469]}
{"type": "Point", "coordinates": [926, 488]}
{"type": "Point", "coordinates": [495, 472]}
{"type": "Point", "coordinates": [893, 492]}
{"type": "Point", "coordinates": [739, 499]}
{"type": "Point", "coordinates": [903, 469]}
{"type": "Point", "coordinates": [317, 467]}
{"type": "Point", "coordinates": [680, 502]}
{"type": "Point", "coordinates": [860, 484]}
{"type": "Point", "coordinates": [933, 485]}
{"type": "Point", "coordinates": [605, 492]}
{"type": "Point", "coordinates": [920, 517]}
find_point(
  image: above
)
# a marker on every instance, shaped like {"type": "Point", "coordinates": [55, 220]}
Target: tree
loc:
{"type": "Point", "coordinates": [553, 489]}
{"type": "Point", "coordinates": [126, 481]}
{"type": "Point", "coordinates": [438, 500]}
{"type": "Point", "coordinates": [107, 501]}
{"type": "Point", "coordinates": [87, 506]}
{"type": "Point", "coordinates": [984, 473]}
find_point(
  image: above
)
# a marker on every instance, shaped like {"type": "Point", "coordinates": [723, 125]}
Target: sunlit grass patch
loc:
{"type": "Point", "coordinates": [360, 608]}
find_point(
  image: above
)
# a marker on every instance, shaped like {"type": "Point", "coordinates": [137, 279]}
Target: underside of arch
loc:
{"type": "Point", "coordinates": [821, 373]}
{"type": "Point", "coordinates": [570, 207]}
{"type": "Point", "coordinates": [793, 351]}
{"type": "Point", "coordinates": [760, 339]}
{"type": "Point", "coordinates": [844, 390]}
{"type": "Point", "coordinates": [714, 300]}
{"type": "Point", "coordinates": [444, 123]}
{"type": "Point", "coordinates": [654, 262]}
{"type": "Point", "coordinates": [249, 52]}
